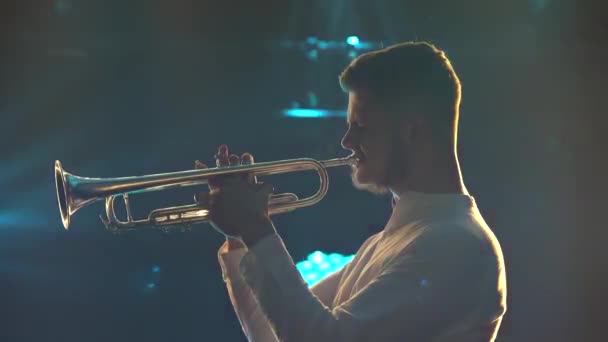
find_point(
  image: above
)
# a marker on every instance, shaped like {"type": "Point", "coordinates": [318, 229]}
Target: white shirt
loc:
{"type": "Point", "coordinates": [434, 273]}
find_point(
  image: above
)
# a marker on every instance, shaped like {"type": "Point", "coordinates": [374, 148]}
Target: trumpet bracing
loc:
{"type": "Point", "coordinates": [75, 192]}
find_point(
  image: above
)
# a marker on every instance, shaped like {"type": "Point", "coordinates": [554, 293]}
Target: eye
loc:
{"type": "Point", "coordinates": [356, 126]}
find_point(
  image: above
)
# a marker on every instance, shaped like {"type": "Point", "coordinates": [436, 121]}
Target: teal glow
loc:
{"type": "Point", "coordinates": [8, 218]}
{"type": "Point", "coordinates": [20, 217]}
{"type": "Point", "coordinates": [313, 55]}
{"type": "Point", "coordinates": [539, 5]}
{"type": "Point", "coordinates": [313, 113]}
{"type": "Point", "coordinates": [352, 40]}
{"type": "Point", "coordinates": [319, 265]}
{"type": "Point", "coordinates": [62, 6]}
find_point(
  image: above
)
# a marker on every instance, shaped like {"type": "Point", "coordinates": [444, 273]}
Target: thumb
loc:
{"type": "Point", "coordinates": [199, 165]}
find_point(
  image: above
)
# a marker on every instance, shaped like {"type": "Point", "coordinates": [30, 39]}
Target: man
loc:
{"type": "Point", "coordinates": [434, 273]}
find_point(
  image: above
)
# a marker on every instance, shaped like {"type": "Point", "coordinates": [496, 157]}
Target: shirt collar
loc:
{"type": "Point", "coordinates": [413, 206]}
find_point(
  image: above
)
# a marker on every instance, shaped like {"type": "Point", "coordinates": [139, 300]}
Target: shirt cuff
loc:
{"type": "Point", "coordinates": [270, 257]}
{"type": "Point", "coordinates": [229, 262]}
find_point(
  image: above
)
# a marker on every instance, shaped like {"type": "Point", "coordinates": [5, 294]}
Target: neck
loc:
{"type": "Point", "coordinates": [436, 173]}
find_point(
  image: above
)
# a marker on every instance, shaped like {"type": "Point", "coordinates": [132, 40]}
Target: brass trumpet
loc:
{"type": "Point", "coordinates": [75, 192]}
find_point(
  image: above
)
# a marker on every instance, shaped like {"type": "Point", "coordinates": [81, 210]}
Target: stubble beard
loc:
{"type": "Point", "coordinates": [394, 172]}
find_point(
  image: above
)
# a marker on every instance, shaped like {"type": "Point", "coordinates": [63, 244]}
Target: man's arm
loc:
{"type": "Point", "coordinates": [415, 296]}
{"type": "Point", "coordinates": [253, 321]}
{"type": "Point", "coordinates": [325, 290]}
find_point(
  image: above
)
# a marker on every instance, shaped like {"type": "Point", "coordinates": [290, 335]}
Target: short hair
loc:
{"type": "Point", "coordinates": [414, 74]}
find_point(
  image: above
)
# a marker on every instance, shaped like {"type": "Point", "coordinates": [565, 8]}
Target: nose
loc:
{"type": "Point", "coordinates": [348, 142]}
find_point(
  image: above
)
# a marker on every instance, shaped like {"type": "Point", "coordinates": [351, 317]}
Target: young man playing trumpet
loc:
{"type": "Point", "coordinates": [434, 273]}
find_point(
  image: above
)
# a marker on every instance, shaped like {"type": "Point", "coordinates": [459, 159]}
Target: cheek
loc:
{"type": "Point", "coordinates": [362, 175]}
{"type": "Point", "coordinates": [368, 145]}
{"type": "Point", "coordinates": [369, 169]}
{"type": "Point", "coordinates": [377, 149]}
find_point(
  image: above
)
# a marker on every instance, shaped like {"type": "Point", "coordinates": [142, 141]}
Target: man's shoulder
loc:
{"type": "Point", "coordinates": [469, 238]}
{"type": "Point", "coordinates": [464, 229]}
{"type": "Point", "coordinates": [371, 240]}
{"type": "Point", "coordinates": [427, 231]}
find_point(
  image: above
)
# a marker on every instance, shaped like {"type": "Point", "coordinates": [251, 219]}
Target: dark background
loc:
{"type": "Point", "coordinates": [119, 88]}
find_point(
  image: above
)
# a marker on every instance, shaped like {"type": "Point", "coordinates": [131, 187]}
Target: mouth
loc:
{"type": "Point", "coordinates": [359, 158]}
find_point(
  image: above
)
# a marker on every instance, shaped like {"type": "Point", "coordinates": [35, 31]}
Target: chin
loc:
{"type": "Point", "coordinates": [362, 175]}
{"type": "Point", "coordinates": [364, 179]}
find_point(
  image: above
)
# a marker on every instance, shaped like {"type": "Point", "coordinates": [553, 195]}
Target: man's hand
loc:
{"type": "Point", "coordinates": [238, 204]}
{"type": "Point", "coordinates": [233, 244]}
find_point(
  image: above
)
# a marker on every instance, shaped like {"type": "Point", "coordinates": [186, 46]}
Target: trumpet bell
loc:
{"type": "Point", "coordinates": [70, 196]}
{"type": "Point", "coordinates": [63, 195]}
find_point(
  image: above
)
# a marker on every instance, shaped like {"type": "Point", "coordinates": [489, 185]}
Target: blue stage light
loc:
{"type": "Point", "coordinates": [352, 40]}
{"type": "Point", "coordinates": [313, 113]}
{"type": "Point", "coordinates": [319, 265]}
{"type": "Point", "coordinates": [21, 217]}
{"type": "Point", "coordinates": [313, 55]}
{"type": "Point", "coordinates": [8, 219]}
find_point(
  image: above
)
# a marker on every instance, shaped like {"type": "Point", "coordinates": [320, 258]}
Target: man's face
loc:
{"type": "Point", "coordinates": [374, 139]}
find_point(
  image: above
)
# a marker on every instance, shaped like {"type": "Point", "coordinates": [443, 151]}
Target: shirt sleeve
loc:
{"type": "Point", "coordinates": [254, 323]}
{"type": "Point", "coordinates": [325, 290]}
{"type": "Point", "coordinates": [414, 297]}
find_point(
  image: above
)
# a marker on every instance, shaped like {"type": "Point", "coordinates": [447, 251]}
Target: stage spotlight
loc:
{"type": "Point", "coordinates": [352, 40]}
{"type": "Point", "coordinates": [319, 265]}
{"type": "Point", "coordinates": [313, 113]}
{"type": "Point", "coordinates": [313, 55]}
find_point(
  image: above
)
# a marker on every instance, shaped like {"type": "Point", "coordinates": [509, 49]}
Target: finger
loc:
{"type": "Point", "coordinates": [221, 158]}
{"type": "Point", "coordinates": [199, 165]}
{"type": "Point", "coordinates": [247, 159]}
{"type": "Point", "coordinates": [211, 181]}
{"type": "Point", "coordinates": [234, 160]}
{"type": "Point", "coordinates": [222, 149]}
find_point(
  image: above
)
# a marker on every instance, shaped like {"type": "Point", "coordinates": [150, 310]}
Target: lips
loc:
{"type": "Point", "coordinates": [359, 157]}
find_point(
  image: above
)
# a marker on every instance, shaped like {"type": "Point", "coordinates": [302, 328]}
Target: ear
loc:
{"type": "Point", "coordinates": [413, 128]}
